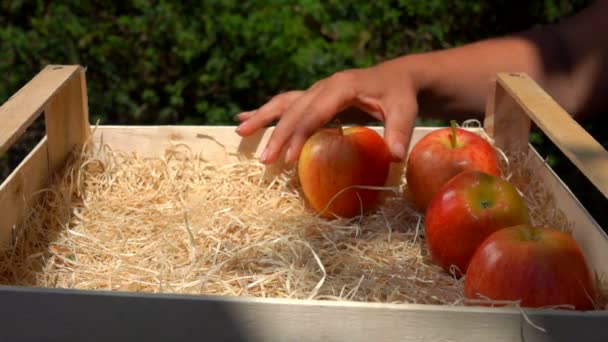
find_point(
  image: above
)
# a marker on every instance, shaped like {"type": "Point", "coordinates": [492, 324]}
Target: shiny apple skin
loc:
{"type": "Point", "coordinates": [539, 266]}
{"type": "Point", "coordinates": [466, 210]}
{"type": "Point", "coordinates": [433, 161]}
{"type": "Point", "coordinates": [331, 161]}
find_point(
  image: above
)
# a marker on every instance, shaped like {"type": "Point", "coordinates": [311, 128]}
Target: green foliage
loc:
{"type": "Point", "coordinates": [201, 62]}
{"type": "Point", "coordinates": [196, 62]}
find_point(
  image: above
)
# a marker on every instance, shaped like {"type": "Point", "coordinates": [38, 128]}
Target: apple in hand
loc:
{"type": "Point", "coordinates": [334, 159]}
{"type": "Point", "coordinates": [466, 210]}
{"type": "Point", "coordinates": [538, 266]}
{"type": "Point", "coordinates": [442, 154]}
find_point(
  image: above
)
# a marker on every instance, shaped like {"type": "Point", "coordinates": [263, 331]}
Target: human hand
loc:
{"type": "Point", "coordinates": [386, 91]}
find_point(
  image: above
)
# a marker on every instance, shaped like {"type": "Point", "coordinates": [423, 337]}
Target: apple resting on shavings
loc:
{"type": "Point", "coordinates": [180, 224]}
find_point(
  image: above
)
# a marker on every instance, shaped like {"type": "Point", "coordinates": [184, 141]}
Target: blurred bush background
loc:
{"type": "Point", "coordinates": [201, 62]}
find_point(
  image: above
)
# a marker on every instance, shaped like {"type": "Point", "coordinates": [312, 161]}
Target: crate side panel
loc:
{"type": "Point", "coordinates": [217, 142]}
{"type": "Point", "coordinates": [17, 193]}
{"type": "Point", "coordinates": [585, 229]}
{"type": "Point", "coordinates": [220, 144]}
{"type": "Point", "coordinates": [100, 316]}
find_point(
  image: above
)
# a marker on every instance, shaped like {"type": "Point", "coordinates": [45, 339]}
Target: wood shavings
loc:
{"type": "Point", "coordinates": [180, 224]}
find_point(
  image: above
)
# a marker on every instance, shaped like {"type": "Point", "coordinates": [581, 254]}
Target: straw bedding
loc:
{"type": "Point", "coordinates": [181, 224]}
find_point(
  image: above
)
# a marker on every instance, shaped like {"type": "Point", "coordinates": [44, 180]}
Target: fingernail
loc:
{"type": "Point", "coordinates": [240, 115]}
{"type": "Point", "coordinates": [398, 150]}
{"type": "Point", "coordinates": [264, 156]}
{"type": "Point", "coordinates": [289, 155]}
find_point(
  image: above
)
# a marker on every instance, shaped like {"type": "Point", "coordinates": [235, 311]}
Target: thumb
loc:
{"type": "Point", "coordinates": [398, 127]}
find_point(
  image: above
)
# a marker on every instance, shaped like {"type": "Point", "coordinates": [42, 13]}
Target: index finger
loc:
{"type": "Point", "coordinates": [307, 114]}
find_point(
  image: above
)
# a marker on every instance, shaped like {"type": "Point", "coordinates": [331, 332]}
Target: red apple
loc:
{"type": "Point", "coordinates": [334, 159]}
{"type": "Point", "coordinates": [538, 266]}
{"type": "Point", "coordinates": [465, 211]}
{"type": "Point", "coordinates": [442, 154]}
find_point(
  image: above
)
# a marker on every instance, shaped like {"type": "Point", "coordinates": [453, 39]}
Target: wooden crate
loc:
{"type": "Point", "coordinates": [68, 314]}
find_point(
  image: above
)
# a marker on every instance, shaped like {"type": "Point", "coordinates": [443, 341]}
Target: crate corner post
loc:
{"type": "Point", "coordinates": [67, 118]}
{"type": "Point", "coordinates": [60, 92]}
{"type": "Point", "coordinates": [505, 119]}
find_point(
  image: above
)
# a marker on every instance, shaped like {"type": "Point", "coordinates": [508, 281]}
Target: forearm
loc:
{"type": "Point", "coordinates": [567, 60]}
{"type": "Point", "coordinates": [456, 82]}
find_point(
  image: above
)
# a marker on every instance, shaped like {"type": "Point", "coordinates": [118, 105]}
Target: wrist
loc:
{"type": "Point", "coordinates": [422, 71]}
{"type": "Point", "coordinates": [415, 69]}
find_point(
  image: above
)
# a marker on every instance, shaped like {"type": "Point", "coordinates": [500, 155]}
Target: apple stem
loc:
{"type": "Point", "coordinates": [339, 124]}
{"type": "Point", "coordinates": [530, 233]}
{"type": "Point", "coordinates": [534, 234]}
{"type": "Point", "coordinates": [453, 126]}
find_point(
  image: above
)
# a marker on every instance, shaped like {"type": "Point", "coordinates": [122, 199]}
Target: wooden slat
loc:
{"type": "Point", "coordinates": [351, 321]}
{"type": "Point", "coordinates": [18, 112]}
{"type": "Point", "coordinates": [218, 143]}
{"type": "Point", "coordinates": [68, 315]}
{"type": "Point", "coordinates": [66, 119]}
{"type": "Point", "coordinates": [577, 144]}
{"type": "Point", "coordinates": [16, 193]}
{"type": "Point", "coordinates": [585, 230]}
